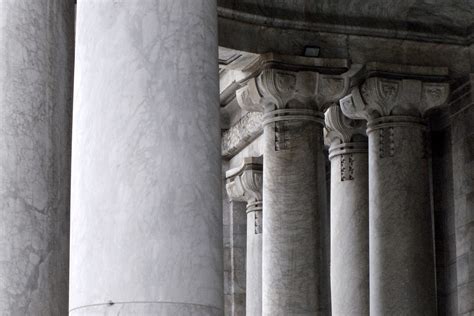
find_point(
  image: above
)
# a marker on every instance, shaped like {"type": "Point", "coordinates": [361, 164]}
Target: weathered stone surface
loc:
{"type": "Point", "coordinates": [146, 185]}
{"type": "Point", "coordinates": [236, 138]}
{"type": "Point", "coordinates": [407, 19]}
{"type": "Point", "coordinates": [245, 184]}
{"type": "Point", "coordinates": [349, 214]}
{"type": "Point", "coordinates": [420, 33]}
{"type": "Point", "coordinates": [295, 254]}
{"type": "Point", "coordinates": [36, 76]}
{"type": "Point", "coordinates": [402, 276]}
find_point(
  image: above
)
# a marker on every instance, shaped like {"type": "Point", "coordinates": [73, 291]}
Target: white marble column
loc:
{"type": "Point", "coordinates": [402, 277]}
{"type": "Point", "coordinates": [146, 219]}
{"type": "Point", "coordinates": [349, 214]}
{"type": "Point", "coordinates": [36, 63]}
{"type": "Point", "coordinates": [295, 270]}
{"type": "Point", "coordinates": [245, 184]}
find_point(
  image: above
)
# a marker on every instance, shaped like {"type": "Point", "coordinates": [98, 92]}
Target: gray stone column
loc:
{"type": "Point", "coordinates": [349, 214]}
{"type": "Point", "coordinates": [36, 68]}
{"type": "Point", "coordinates": [245, 184]}
{"type": "Point", "coordinates": [402, 277]}
{"type": "Point", "coordinates": [146, 221]}
{"type": "Point", "coordinates": [295, 270]}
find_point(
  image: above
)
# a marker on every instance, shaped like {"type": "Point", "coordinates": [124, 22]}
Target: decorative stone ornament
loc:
{"type": "Point", "coordinates": [340, 128]}
{"type": "Point", "coordinates": [379, 96]}
{"type": "Point", "coordinates": [395, 101]}
{"type": "Point", "coordinates": [245, 184]}
{"type": "Point", "coordinates": [349, 223]}
{"type": "Point", "coordinates": [276, 89]}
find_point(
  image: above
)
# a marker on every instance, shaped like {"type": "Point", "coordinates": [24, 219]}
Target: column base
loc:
{"type": "Point", "coordinates": [146, 308]}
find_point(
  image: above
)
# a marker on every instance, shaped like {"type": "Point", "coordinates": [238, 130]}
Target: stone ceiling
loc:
{"type": "Point", "coordinates": [448, 19]}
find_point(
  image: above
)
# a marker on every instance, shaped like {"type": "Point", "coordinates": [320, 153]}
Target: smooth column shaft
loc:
{"type": "Point", "coordinates": [254, 262]}
{"type": "Point", "coordinates": [295, 271]}
{"type": "Point", "coordinates": [36, 77]}
{"type": "Point", "coordinates": [402, 278]}
{"type": "Point", "coordinates": [349, 229]}
{"type": "Point", "coordinates": [146, 218]}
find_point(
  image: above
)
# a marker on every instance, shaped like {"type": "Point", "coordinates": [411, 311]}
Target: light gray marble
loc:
{"type": "Point", "coordinates": [146, 221]}
{"type": "Point", "coordinates": [295, 270]}
{"type": "Point", "coordinates": [402, 276]}
{"type": "Point", "coordinates": [235, 230]}
{"type": "Point", "coordinates": [243, 133]}
{"type": "Point", "coordinates": [244, 183]}
{"type": "Point", "coordinates": [349, 214]}
{"type": "Point", "coordinates": [36, 62]}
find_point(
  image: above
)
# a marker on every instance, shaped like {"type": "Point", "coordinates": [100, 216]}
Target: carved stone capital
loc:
{"type": "Point", "coordinates": [275, 89]}
{"type": "Point", "coordinates": [340, 129]}
{"type": "Point", "coordinates": [244, 183]}
{"type": "Point", "coordinates": [380, 97]}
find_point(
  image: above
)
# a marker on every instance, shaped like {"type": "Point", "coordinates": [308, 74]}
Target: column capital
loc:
{"type": "Point", "coordinates": [302, 87]}
{"type": "Point", "coordinates": [341, 129]}
{"type": "Point", "coordinates": [244, 183]}
{"type": "Point", "coordinates": [381, 96]}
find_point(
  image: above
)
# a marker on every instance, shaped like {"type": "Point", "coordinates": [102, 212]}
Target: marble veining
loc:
{"type": "Point", "coordinates": [146, 221]}
{"type": "Point", "coordinates": [35, 131]}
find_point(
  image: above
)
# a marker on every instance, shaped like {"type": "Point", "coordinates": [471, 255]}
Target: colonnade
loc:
{"type": "Point", "coordinates": [380, 207]}
{"type": "Point", "coordinates": [146, 214]}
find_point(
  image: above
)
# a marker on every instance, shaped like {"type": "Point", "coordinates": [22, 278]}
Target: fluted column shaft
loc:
{"type": "Point", "coordinates": [146, 236]}
{"type": "Point", "coordinates": [349, 214]}
{"type": "Point", "coordinates": [36, 77]}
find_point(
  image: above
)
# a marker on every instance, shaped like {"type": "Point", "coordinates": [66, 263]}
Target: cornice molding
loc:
{"type": "Point", "coordinates": [304, 26]}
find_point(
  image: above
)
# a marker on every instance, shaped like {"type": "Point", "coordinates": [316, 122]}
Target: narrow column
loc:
{"type": "Point", "coordinates": [245, 184]}
{"type": "Point", "coordinates": [36, 76]}
{"type": "Point", "coordinates": [402, 278]}
{"type": "Point", "coordinates": [349, 214]}
{"type": "Point", "coordinates": [295, 270]}
{"type": "Point", "coordinates": [146, 236]}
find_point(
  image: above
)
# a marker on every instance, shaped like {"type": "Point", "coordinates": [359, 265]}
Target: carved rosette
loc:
{"type": "Point", "coordinates": [382, 97]}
